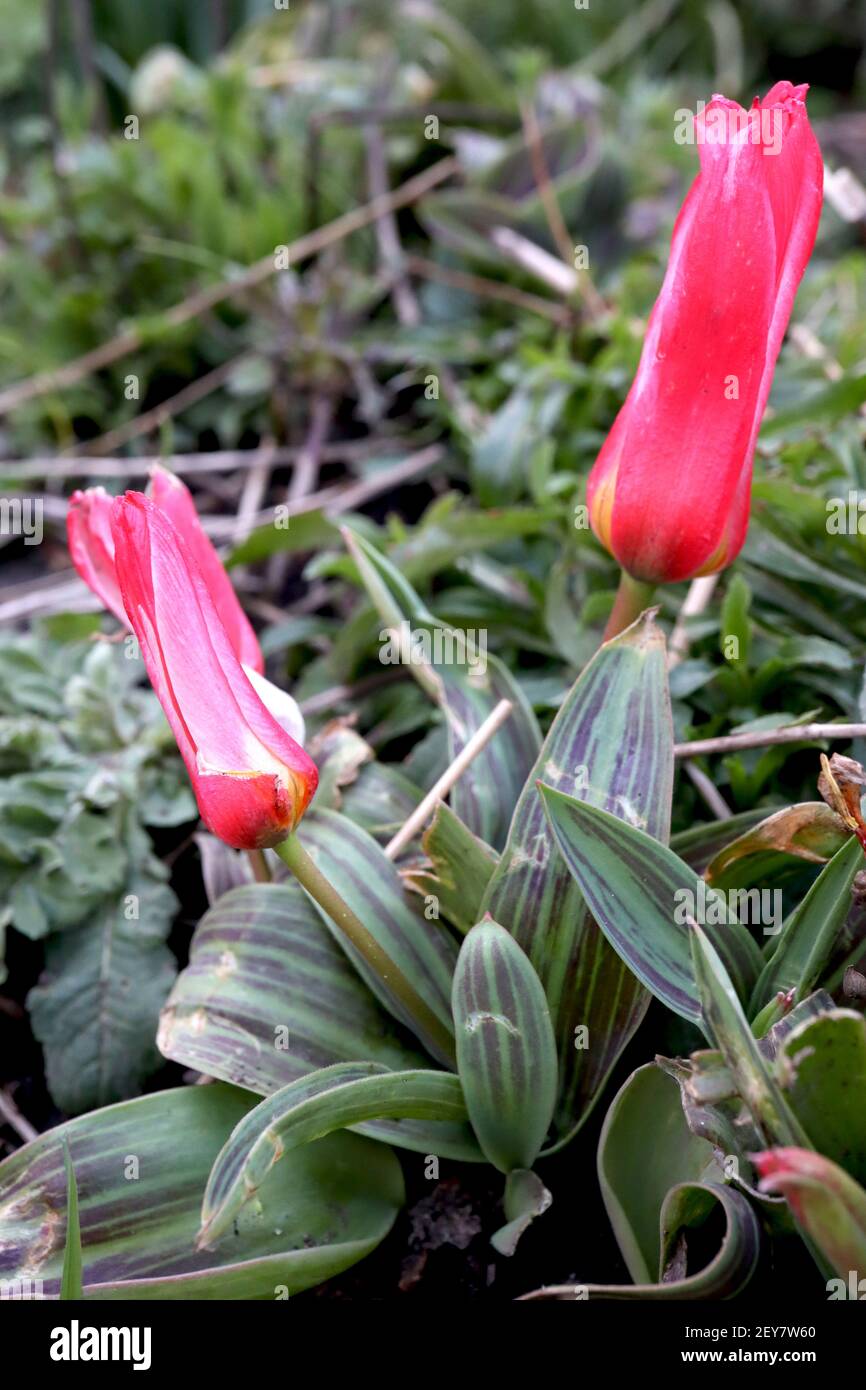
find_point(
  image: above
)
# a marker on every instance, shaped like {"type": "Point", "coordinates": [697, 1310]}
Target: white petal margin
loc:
{"type": "Point", "coordinates": [279, 703]}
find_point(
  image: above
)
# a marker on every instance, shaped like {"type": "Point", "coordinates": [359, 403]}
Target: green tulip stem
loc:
{"type": "Point", "coordinates": [632, 597]}
{"type": "Point", "coordinates": [310, 877]}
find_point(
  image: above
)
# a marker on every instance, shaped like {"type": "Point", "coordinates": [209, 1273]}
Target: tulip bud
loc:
{"type": "Point", "coordinates": [669, 493]}
{"type": "Point", "coordinates": [252, 780]}
{"type": "Point", "coordinates": [91, 546]}
{"type": "Point", "coordinates": [825, 1200]}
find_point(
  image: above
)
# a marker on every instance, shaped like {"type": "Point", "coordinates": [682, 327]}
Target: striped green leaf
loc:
{"type": "Point", "coordinates": [811, 931]}
{"type": "Point", "coordinates": [71, 1286]}
{"type": "Point", "coordinates": [686, 1209]}
{"type": "Point", "coordinates": [142, 1167]}
{"type": "Point", "coordinates": [506, 1052]}
{"type": "Point", "coordinates": [726, 1025]}
{"type": "Point", "coordinates": [643, 897]}
{"type": "Point", "coordinates": [423, 950]}
{"type": "Point", "coordinates": [467, 683]}
{"type": "Point", "coordinates": [309, 1109]}
{"type": "Point", "coordinates": [268, 996]}
{"type": "Point", "coordinates": [611, 743]}
{"type": "Point", "coordinates": [460, 867]}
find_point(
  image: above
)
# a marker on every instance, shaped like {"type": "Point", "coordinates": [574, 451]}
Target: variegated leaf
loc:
{"type": "Point", "coordinates": [328, 1100]}
{"type": "Point", "coordinates": [643, 898]}
{"type": "Point", "coordinates": [612, 744]}
{"type": "Point", "coordinates": [369, 883]}
{"type": "Point", "coordinates": [468, 682]}
{"type": "Point", "coordinates": [141, 1168]}
{"type": "Point", "coordinates": [268, 996]}
{"type": "Point", "coordinates": [460, 867]}
{"type": "Point", "coordinates": [506, 1052]}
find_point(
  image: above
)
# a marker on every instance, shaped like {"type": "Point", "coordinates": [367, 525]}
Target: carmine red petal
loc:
{"type": "Point", "coordinates": [173, 497]}
{"type": "Point", "coordinates": [252, 781]}
{"type": "Point", "coordinates": [669, 492]}
{"type": "Point", "coordinates": [91, 547]}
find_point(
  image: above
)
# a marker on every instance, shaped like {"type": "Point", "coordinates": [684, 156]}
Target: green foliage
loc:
{"type": "Point", "coordinates": [327, 1205]}
{"type": "Point", "coordinates": [106, 228]}
{"type": "Point", "coordinates": [88, 763]}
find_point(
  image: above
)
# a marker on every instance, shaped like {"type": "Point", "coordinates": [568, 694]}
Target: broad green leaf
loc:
{"type": "Point", "coordinates": [329, 1204]}
{"type": "Point", "coordinates": [381, 800]}
{"type": "Point", "coordinates": [687, 1207]}
{"type": "Point", "coordinates": [811, 931]}
{"type": "Point", "coordinates": [460, 868]}
{"type": "Point", "coordinates": [808, 832]}
{"type": "Point", "coordinates": [467, 682]}
{"type": "Point", "coordinates": [96, 1008]}
{"type": "Point", "coordinates": [643, 897]}
{"type": "Point", "coordinates": [71, 1286]}
{"type": "Point", "coordinates": [644, 1149]}
{"type": "Point", "coordinates": [358, 869]}
{"type": "Point", "coordinates": [726, 1024]}
{"type": "Point", "coordinates": [308, 1109]}
{"type": "Point", "coordinates": [821, 1067]}
{"type": "Point", "coordinates": [611, 743]}
{"type": "Point", "coordinates": [268, 997]}
{"type": "Point", "coordinates": [506, 1052]}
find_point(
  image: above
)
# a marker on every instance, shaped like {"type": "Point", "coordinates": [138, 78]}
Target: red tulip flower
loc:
{"type": "Point", "coordinates": [827, 1203]}
{"type": "Point", "coordinates": [91, 545]}
{"type": "Point", "coordinates": [669, 493]}
{"type": "Point", "coordinates": [251, 778]}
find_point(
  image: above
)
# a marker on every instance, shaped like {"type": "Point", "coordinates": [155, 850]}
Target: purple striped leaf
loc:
{"type": "Point", "coordinates": [269, 996]}
{"type": "Point", "coordinates": [468, 683]}
{"type": "Point", "coordinates": [351, 1093]}
{"type": "Point", "coordinates": [506, 1051]}
{"type": "Point", "coordinates": [141, 1169]}
{"type": "Point", "coordinates": [644, 898]}
{"type": "Point", "coordinates": [611, 743]}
